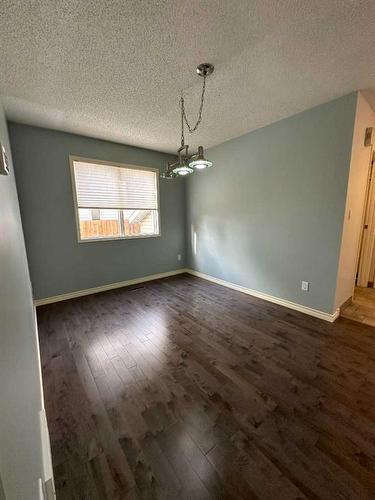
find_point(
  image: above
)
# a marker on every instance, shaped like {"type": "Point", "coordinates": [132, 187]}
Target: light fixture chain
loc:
{"type": "Point", "coordinates": [183, 112]}
{"type": "Point", "coordinates": [186, 163]}
{"type": "Point", "coordinates": [182, 120]}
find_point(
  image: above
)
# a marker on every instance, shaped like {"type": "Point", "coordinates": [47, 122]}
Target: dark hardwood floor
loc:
{"type": "Point", "coordinates": [183, 389]}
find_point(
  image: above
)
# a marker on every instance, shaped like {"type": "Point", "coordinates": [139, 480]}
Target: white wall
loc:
{"type": "Point", "coordinates": [355, 199]}
{"type": "Point", "coordinates": [21, 441]}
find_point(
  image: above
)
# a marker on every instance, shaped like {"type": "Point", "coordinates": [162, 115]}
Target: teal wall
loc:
{"type": "Point", "coordinates": [269, 214]}
{"type": "Point", "coordinates": [21, 460]}
{"type": "Point", "coordinates": [58, 263]}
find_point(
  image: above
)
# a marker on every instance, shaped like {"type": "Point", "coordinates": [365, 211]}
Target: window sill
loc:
{"type": "Point", "coordinates": [119, 238]}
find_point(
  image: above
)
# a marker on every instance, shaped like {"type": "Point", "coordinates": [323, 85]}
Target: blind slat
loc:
{"type": "Point", "coordinates": [108, 186]}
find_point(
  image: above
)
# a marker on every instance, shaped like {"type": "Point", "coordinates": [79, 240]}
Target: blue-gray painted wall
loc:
{"type": "Point", "coordinates": [269, 214]}
{"type": "Point", "coordinates": [21, 456]}
{"type": "Point", "coordinates": [58, 263]}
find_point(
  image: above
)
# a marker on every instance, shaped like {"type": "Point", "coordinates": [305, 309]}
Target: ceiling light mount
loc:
{"type": "Point", "coordinates": [187, 164]}
{"type": "Point", "coordinates": [205, 69]}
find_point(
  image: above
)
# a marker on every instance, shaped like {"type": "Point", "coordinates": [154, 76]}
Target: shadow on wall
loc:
{"type": "Point", "coordinates": [2, 494]}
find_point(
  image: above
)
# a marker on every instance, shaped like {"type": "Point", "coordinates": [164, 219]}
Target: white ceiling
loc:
{"type": "Point", "coordinates": [114, 69]}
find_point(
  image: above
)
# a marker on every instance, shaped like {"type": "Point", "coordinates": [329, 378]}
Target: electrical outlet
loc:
{"type": "Point", "coordinates": [179, 256]}
{"type": "Point", "coordinates": [305, 286]}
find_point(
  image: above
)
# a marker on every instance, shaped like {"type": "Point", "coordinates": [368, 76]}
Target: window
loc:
{"type": "Point", "coordinates": [114, 201]}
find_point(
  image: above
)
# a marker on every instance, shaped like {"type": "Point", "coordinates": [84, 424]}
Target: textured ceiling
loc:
{"type": "Point", "coordinates": [114, 69]}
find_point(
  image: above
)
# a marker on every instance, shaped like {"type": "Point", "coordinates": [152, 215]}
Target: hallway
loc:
{"type": "Point", "coordinates": [362, 308]}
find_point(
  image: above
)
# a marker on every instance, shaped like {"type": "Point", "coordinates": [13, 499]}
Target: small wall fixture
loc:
{"type": "Point", "coordinates": [368, 136]}
{"type": "Point", "coordinates": [4, 164]}
{"type": "Point", "coordinates": [186, 164]}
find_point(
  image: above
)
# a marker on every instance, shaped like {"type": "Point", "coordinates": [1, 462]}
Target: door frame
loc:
{"type": "Point", "coordinates": [366, 248]}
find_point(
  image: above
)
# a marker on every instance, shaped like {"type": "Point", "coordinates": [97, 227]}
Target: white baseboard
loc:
{"type": "Point", "coordinates": [46, 446]}
{"type": "Point", "coordinates": [104, 288]}
{"type": "Point", "coordinates": [270, 298]}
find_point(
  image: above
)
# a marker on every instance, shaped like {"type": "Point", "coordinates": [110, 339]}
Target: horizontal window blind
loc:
{"type": "Point", "coordinates": [104, 186]}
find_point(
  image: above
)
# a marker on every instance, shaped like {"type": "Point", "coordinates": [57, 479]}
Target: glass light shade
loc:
{"type": "Point", "coordinates": [183, 169]}
{"type": "Point", "coordinates": [200, 163]}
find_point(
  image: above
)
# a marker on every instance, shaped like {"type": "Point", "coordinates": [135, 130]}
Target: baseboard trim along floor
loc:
{"type": "Point", "coordinates": [270, 298]}
{"type": "Point", "coordinates": [104, 288]}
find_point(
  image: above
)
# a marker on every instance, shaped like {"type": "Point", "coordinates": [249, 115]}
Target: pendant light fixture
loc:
{"type": "Point", "coordinates": [186, 164]}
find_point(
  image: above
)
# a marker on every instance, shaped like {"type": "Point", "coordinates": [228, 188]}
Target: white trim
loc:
{"type": "Point", "coordinates": [43, 425]}
{"type": "Point", "coordinates": [103, 288]}
{"type": "Point", "coordinates": [115, 238]}
{"type": "Point", "coordinates": [367, 233]}
{"type": "Point", "coordinates": [270, 298]}
{"type": "Point", "coordinates": [40, 489]}
{"type": "Point", "coordinates": [46, 447]}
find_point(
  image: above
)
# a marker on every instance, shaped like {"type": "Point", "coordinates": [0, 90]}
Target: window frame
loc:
{"type": "Point", "coordinates": [72, 159]}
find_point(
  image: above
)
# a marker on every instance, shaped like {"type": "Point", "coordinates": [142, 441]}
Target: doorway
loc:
{"type": "Point", "coordinates": [362, 306]}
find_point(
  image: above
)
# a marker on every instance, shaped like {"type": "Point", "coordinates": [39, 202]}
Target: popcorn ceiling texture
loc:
{"type": "Point", "coordinates": [114, 70]}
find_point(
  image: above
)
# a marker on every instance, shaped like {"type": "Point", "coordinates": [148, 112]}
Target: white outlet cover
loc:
{"type": "Point", "coordinates": [305, 286]}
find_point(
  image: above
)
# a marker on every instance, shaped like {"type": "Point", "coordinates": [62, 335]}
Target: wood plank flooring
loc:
{"type": "Point", "coordinates": [183, 389]}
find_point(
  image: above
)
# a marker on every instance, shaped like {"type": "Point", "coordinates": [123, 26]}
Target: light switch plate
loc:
{"type": "Point", "coordinates": [4, 166]}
